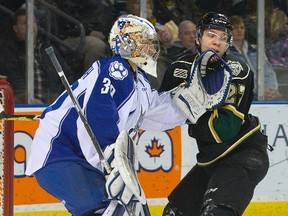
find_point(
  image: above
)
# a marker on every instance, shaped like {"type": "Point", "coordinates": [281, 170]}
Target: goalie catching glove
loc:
{"type": "Point", "coordinates": [208, 86]}
{"type": "Point", "coordinates": [122, 183]}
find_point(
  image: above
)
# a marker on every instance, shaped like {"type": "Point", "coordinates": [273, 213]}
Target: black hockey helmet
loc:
{"type": "Point", "coordinates": [213, 20]}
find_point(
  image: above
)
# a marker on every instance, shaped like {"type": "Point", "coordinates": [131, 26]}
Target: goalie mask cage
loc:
{"type": "Point", "coordinates": [6, 151]}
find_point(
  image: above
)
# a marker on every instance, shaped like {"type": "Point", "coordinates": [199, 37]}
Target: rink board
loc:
{"type": "Point", "coordinates": [164, 158]}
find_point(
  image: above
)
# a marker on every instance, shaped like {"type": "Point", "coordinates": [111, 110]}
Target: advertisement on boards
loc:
{"type": "Point", "coordinates": [163, 160]}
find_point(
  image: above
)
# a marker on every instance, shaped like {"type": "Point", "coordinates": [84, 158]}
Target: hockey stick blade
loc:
{"type": "Point", "coordinates": [5, 116]}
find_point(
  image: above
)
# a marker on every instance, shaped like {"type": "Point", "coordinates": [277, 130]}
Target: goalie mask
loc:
{"type": "Point", "coordinates": [135, 39]}
{"type": "Point", "coordinates": [213, 20]}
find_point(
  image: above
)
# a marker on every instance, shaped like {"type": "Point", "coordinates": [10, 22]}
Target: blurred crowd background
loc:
{"type": "Point", "coordinates": [78, 30]}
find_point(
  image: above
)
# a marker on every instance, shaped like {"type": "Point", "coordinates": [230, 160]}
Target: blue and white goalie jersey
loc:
{"type": "Point", "coordinates": [113, 99]}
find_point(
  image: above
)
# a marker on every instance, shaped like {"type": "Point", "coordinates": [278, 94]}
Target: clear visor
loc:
{"type": "Point", "coordinates": [223, 39]}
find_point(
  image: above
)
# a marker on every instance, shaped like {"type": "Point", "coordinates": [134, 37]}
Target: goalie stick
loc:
{"type": "Point", "coordinates": [104, 162]}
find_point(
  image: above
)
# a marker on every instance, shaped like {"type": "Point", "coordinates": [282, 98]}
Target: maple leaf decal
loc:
{"type": "Point", "coordinates": [155, 150]}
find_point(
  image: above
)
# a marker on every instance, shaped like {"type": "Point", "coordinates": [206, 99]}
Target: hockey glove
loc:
{"type": "Point", "coordinates": [208, 86]}
{"type": "Point", "coordinates": [122, 183]}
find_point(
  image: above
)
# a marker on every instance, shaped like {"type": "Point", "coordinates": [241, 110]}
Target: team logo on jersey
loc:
{"type": "Point", "coordinates": [117, 70]}
{"type": "Point", "coordinates": [235, 66]}
{"type": "Point", "coordinates": [180, 73]}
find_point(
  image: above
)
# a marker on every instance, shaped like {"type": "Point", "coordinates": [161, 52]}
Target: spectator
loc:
{"type": "Point", "coordinates": [277, 40]}
{"type": "Point", "coordinates": [181, 44]}
{"type": "Point", "coordinates": [186, 34]}
{"type": "Point", "coordinates": [251, 17]}
{"type": "Point", "coordinates": [168, 37]}
{"type": "Point", "coordinates": [247, 52]}
{"type": "Point", "coordinates": [47, 84]}
{"type": "Point", "coordinates": [184, 46]}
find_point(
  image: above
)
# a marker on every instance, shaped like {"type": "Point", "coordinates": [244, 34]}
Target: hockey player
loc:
{"type": "Point", "coordinates": [115, 96]}
{"type": "Point", "coordinates": [232, 156]}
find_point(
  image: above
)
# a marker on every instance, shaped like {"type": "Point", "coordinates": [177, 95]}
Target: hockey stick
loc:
{"type": "Point", "coordinates": [51, 53]}
{"type": "Point", "coordinates": [5, 116]}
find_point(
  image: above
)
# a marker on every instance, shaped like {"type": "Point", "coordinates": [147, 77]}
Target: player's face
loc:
{"type": "Point", "coordinates": [216, 40]}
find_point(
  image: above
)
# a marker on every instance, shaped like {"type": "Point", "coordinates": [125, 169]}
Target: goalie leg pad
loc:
{"type": "Point", "coordinates": [122, 183]}
{"type": "Point", "coordinates": [123, 150]}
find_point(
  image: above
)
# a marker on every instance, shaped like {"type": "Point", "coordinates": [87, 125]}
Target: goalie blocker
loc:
{"type": "Point", "coordinates": [208, 86]}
